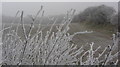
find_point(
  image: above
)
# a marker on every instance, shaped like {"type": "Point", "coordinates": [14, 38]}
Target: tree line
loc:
{"type": "Point", "coordinates": [98, 15]}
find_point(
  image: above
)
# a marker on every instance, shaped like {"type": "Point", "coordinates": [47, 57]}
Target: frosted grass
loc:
{"type": "Point", "coordinates": [54, 48]}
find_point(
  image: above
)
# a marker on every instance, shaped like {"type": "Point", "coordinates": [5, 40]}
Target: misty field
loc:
{"type": "Point", "coordinates": [88, 38]}
{"type": "Point", "coordinates": [101, 37]}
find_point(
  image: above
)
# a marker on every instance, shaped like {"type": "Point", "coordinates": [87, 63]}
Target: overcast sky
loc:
{"type": "Point", "coordinates": [56, 8]}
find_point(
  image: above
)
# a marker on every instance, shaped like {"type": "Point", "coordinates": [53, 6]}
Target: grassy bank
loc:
{"type": "Point", "coordinates": [108, 29]}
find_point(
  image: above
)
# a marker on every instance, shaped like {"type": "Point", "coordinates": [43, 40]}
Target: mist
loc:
{"type": "Point", "coordinates": [50, 8]}
{"type": "Point", "coordinates": [90, 37]}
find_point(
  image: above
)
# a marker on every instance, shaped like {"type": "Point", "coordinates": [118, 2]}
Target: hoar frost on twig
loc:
{"type": "Point", "coordinates": [52, 49]}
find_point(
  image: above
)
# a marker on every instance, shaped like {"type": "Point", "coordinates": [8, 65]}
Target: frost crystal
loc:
{"type": "Point", "coordinates": [51, 48]}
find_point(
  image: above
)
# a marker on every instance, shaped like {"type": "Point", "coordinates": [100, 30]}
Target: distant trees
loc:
{"type": "Point", "coordinates": [97, 15]}
{"type": "Point", "coordinates": [115, 20]}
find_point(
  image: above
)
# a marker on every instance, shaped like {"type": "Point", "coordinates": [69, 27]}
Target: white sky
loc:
{"type": "Point", "coordinates": [60, 0]}
{"type": "Point", "coordinates": [51, 8]}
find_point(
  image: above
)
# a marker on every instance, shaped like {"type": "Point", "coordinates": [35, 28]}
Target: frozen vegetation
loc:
{"type": "Point", "coordinates": [55, 48]}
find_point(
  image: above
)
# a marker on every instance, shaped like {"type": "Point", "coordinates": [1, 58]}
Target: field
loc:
{"type": "Point", "coordinates": [86, 36]}
{"type": "Point", "coordinates": [101, 37]}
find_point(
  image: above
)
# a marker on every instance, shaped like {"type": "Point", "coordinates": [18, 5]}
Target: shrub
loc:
{"type": "Point", "coordinates": [54, 48]}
